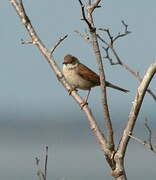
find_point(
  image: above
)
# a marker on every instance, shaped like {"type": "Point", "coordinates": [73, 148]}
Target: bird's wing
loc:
{"type": "Point", "coordinates": [88, 74]}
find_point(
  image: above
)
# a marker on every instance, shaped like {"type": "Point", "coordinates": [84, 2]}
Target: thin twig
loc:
{"type": "Point", "coordinates": [94, 5]}
{"type": "Point", "coordinates": [146, 144]}
{"type": "Point", "coordinates": [125, 25]}
{"type": "Point", "coordinates": [119, 61]}
{"type": "Point", "coordinates": [25, 17]}
{"type": "Point", "coordinates": [150, 134]}
{"type": "Point", "coordinates": [95, 45]}
{"type": "Point", "coordinates": [126, 32]}
{"type": "Point", "coordinates": [46, 163]}
{"type": "Point", "coordinates": [40, 173]}
{"type": "Point", "coordinates": [26, 42]}
{"type": "Point", "coordinates": [136, 74]}
{"type": "Point", "coordinates": [85, 35]}
{"type": "Point", "coordinates": [37, 161]}
{"type": "Point", "coordinates": [84, 16]}
{"type": "Point", "coordinates": [119, 35]}
{"type": "Point", "coordinates": [57, 44]}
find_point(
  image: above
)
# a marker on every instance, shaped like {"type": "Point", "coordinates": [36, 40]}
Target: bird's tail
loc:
{"type": "Point", "coordinates": [108, 84]}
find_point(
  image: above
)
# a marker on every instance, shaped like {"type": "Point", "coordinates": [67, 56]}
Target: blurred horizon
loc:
{"type": "Point", "coordinates": [73, 150]}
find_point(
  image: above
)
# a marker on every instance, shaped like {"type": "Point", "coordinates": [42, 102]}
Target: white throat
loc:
{"type": "Point", "coordinates": [70, 66]}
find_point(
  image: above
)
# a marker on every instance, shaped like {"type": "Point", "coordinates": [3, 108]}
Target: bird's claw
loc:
{"type": "Point", "coordinates": [83, 104]}
{"type": "Point", "coordinates": [71, 89]}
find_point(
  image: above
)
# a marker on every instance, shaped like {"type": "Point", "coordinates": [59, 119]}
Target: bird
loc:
{"type": "Point", "coordinates": [82, 77]}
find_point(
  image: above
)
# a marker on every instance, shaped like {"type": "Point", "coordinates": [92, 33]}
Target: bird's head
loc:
{"type": "Point", "coordinates": [70, 60]}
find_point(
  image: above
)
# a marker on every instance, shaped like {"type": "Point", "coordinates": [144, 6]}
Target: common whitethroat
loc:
{"type": "Point", "coordinates": [80, 76]}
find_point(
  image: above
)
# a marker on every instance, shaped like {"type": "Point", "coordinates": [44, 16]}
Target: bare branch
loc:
{"type": "Point", "coordinates": [150, 134]}
{"type": "Point", "coordinates": [136, 74]}
{"type": "Point", "coordinates": [119, 35]}
{"type": "Point", "coordinates": [89, 8]}
{"type": "Point", "coordinates": [119, 61]}
{"type": "Point", "coordinates": [103, 29]}
{"type": "Point", "coordinates": [26, 42]}
{"type": "Point", "coordinates": [84, 16]}
{"type": "Point", "coordinates": [47, 54]}
{"type": "Point", "coordinates": [95, 5]}
{"type": "Point", "coordinates": [25, 17]}
{"type": "Point", "coordinates": [40, 173]}
{"type": "Point", "coordinates": [57, 44]}
{"type": "Point", "coordinates": [95, 45]}
{"type": "Point", "coordinates": [105, 42]}
{"type": "Point", "coordinates": [85, 35]}
{"type": "Point", "coordinates": [126, 26]}
{"type": "Point", "coordinates": [46, 163]}
{"type": "Point", "coordinates": [110, 37]}
{"type": "Point", "coordinates": [151, 93]}
{"type": "Point", "coordinates": [37, 161]}
{"type": "Point", "coordinates": [136, 108]}
{"type": "Point", "coordinates": [122, 34]}
{"type": "Point", "coordinates": [146, 144]}
{"type": "Point", "coordinates": [107, 30]}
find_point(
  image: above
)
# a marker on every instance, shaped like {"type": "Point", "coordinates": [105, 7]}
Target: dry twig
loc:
{"type": "Point", "coordinates": [145, 143]}
{"type": "Point", "coordinates": [110, 45]}
{"type": "Point", "coordinates": [150, 135]}
{"type": "Point", "coordinates": [46, 163]}
{"type": "Point", "coordinates": [148, 143]}
{"type": "Point", "coordinates": [95, 45]}
{"type": "Point", "coordinates": [42, 175]}
{"type": "Point", "coordinates": [85, 36]}
{"type": "Point", "coordinates": [58, 43]}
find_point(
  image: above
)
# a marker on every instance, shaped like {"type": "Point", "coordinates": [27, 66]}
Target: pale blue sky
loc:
{"type": "Point", "coordinates": [30, 94]}
{"type": "Point", "coordinates": [26, 79]}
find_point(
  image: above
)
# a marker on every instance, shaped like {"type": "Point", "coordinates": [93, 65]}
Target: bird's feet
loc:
{"type": "Point", "coordinates": [71, 89]}
{"type": "Point", "coordinates": [83, 104]}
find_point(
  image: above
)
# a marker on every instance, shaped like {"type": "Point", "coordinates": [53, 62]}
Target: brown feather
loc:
{"type": "Point", "coordinates": [88, 74]}
{"type": "Point", "coordinates": [91, 76]}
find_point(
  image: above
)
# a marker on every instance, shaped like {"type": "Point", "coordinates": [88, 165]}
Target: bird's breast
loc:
{"type": "Point", "coordinates": [74, 79]}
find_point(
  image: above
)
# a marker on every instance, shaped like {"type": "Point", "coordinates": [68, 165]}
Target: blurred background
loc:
{"type": "Point", "coordinates": [36, 111]}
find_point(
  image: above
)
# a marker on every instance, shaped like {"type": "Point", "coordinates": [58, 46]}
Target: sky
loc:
{"type": "Point", "coordinates": [35, 110]}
